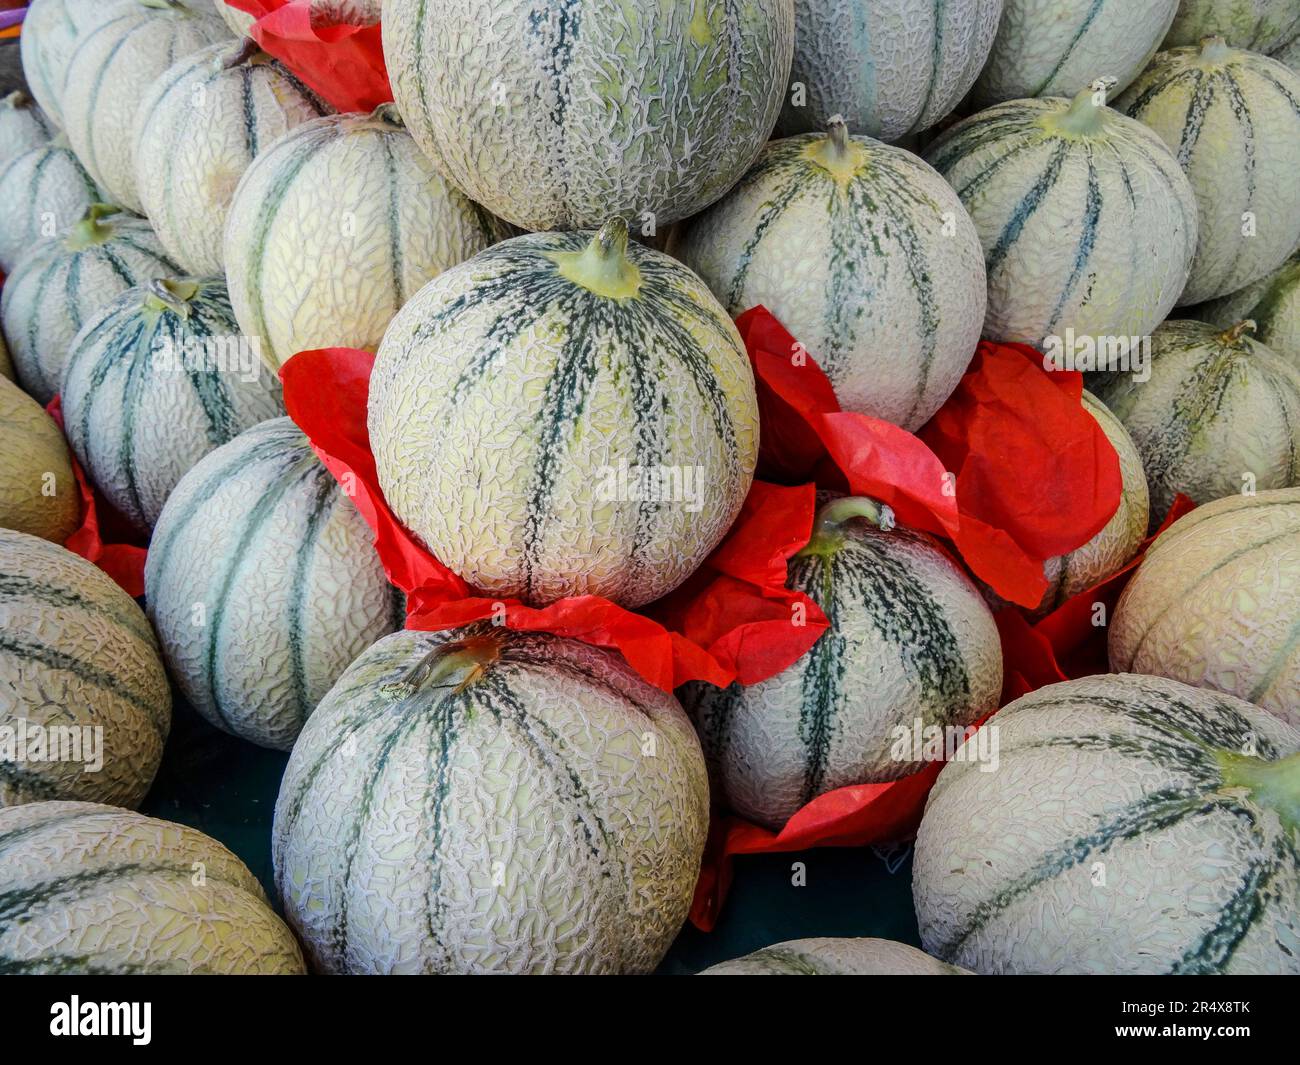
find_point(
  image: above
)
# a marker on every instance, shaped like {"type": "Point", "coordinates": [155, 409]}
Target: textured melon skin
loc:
{"type": "Point", "coordinates": [237, 21]}
{"type": "Point", "coordinates": [504, 389]}
{"type": "Point", "coordinates": [543, 813]}
{"type": "Point", "coordinates": [42, 192]}
{"type": "Point", "coordinates": [1214, 603]}
{"type": "Point", "coordinates": [835, 957]}
{"type": "Point", "coordinates": [97, 890]}
{"type": "Point", "coordinates": [1289, 54]}
{"type": "Point", "coordinates": [521, 110]}
{"type": "Point", "coordinates": [1233, 119]}
{"type": "Point", "coordinates": [23, 126]}
{"type": "Point", "coordinates": [196, 131]}
{"type": "Point", "coordinates": [334, 227]}
{"type": "Point", "coordinates": [910, 638]}
{"type": "Point", "coordinates": [1105, 777]}
{"type": "Point", "coordinates": [59, 283]}
{"type": "Point", "coordinates": [31, 447]}
{"type": "Point", "coordinates": [109, 74]}
{"type": "Point", "coordinates": [1260, 25]}
{"type": "Point", "coordinates": [263, 584]}
{"type": "Point", "coordinates": [1215, 410]}
{"type": "Point", "coordinates": [889, 68]}
{"type": "Point", "coordinates": [867, 257]}
{"type": "Point", "coordinates": [138, 424]}
{"type": "Point", "coordinates": [1057, 47]}
{"type": "Point", "coordinates": [1094, 232]}
{"type": "Point", "coordinates": [51, 32]}
{"type": "Point", "coordinates": [76, 650]}
{"type": "Point", "coordinates": [1272, 303]}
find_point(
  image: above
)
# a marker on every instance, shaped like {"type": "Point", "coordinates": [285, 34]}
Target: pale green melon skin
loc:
{"type": "Point", "coordinates": [196, 131]}
{"type": "Point", "coordinates": [651, 108]}
{"type": "Point", "coordinates": [191, 908]}
{"type": "Point", "coordinates": [1057, 47]}
{"type": "Point", "coordinates": [1272, 303]}
{"type": "Point", "coordinates": [52, 30]}
{"type": "Point", "coordinates": [836, 957]}
{"type": "Point", "coordinates": [31, 447]}
{"type": "Point", "coordinates": [76, 650]}
{"type": "Point", "coordinates": [1214, 603]}
{"type": "Point", "coordinates": [1260, 25]}
{"type": "Point", "coordinates": [887, 68]}
{"type": "Point", "coordinates": [1264, 128]}
{"type": "Point", "coordinates": [1072, 758]}
{"type": "Point", "coordinates": [562, 835]}
{"type": "Point", "coordinates": [42, 192]}
{"type": "Point", "coordinates": [23, 126]}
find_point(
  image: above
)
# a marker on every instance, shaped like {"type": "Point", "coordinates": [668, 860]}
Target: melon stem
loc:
{"type": "Point", "coordinates": [1273, 784]}
{"type": "Point", "coordinates": [470, 656]}
{"type": "Point", "coordinates": [1083, 117]}
{"type": "Point", "coordinates": [827, 527]}
{"type": "Point", "coordinates": [1214, 49]}
{"type": "Point", "coordinates": [91, 230]}
{"type": "Point", "coordinates": [17, 99]}
{"type": "Point", "coordinates": [838, 132]}
{"type": "Point", "coordinates": [602, 266]}
{"type": "Point", "coordinates": [389, 115]}
{"type": "Point", "coordinates": [171, 295]}
{"type": "Point", "coordinates": [1232, 337]}
{"type": "Point", "coordinates": [241, 53]}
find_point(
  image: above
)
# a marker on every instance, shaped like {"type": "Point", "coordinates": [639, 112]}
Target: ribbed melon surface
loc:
{"type": "Point", "coordinates": [43, 191]}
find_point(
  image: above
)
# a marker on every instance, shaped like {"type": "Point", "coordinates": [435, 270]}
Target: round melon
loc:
{"type": "Point", "coordinates": [335, 226]}
{"type": "Point", "coordinates": [566, 414]}
{"type": "Point", "coordinates": [23, 126]}
{"type": "Point", "coordinates": [38, 492]}
{"type": "Point", "coordinates": [1219, 414]}
{"type": "Point", "coordinates": [557, 118]}
{"type": "Point", "coordinates": [835, 957]}
{"type": "Point", "coordinates": [1260, 25]}
{"type": "Point", "coordinates": [263, 584]}
{"type": "Point", "coordinates": [58, 284]}
{"type": "Point", "coordinates": [51, 32]}
{"type": "Point", "coordinates": [889, 68]}
{"type": "Point", "coordinates": [490, 801]}
{"type": "Point", "coordinates": [1214, 602]}
{"type": "Point", "coordinates": [110, 73]}
{"type": "Point", "coordinates": [155, 381]}
{"type": "Point", "coordinates": [1134, 825]}
{"type": "Point", "coordinates": [1233, 120]}
{"type": "Point", "coordinates": [86, 701]}
{"type": "Point", "coordinates": [196, 131]}
{"type": "Point", "coordinates": [238, 22]}
{"type": "Point", "coordinates": [42, 192]}
{"type": "Point", "coordinates": [95, 890]}
{"type": "Point", "coordinates": [867, 257]}
{"type": "Point", "coordinates": [911, 646]}
{"type": "Point", "coordinates": [1273, 304]}
{"type": "Point", "coordinates": [1087, 222]}
{"type": "Point", "coordinates": [1058, 47]}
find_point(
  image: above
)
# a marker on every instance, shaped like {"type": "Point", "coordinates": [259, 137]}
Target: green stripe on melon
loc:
{"type": "Point", "coordinates": [146, 396]}
{"type": "Point", "coordinates": [865, 254]}
{"type": "Point", "coordinates": [1133, 825]}
{"type": "Point", "coordinates": [531, 804]}
{"type": "Point", "coordinates": [52, 30]}
{"type": "Point", "coordinates": [263, 584]}
{"type": "Point", "coordinates": [1272, 303]}
{"type": "Point", "coordinates": [1260, 25]}
{"type": "Point", "coordinates": [42, 193]}
{"type": "Point", "coordinates": [23, 126]}
{"type": "Point", "coordinates": [38, 493]}
{"type": "Point", "coordinates": [835, 957]}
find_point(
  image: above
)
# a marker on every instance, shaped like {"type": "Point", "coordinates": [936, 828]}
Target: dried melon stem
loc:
{"type": "Point", "coordinates": [827, 534]}
{"type": "Point", "coordinates": [836, 153]}
{"type": "Point", "coordinates": [1233, 337]}
{"type": "Point", "coordinates": [17, 99]}
{"type": "Point", "coordinates": [91, 230]}
{"type": "Point", "coordinates": [602, 266]}
{"type": "Point", "coordinates": [388, 115]}
{"type": "Point", "coordinates": [1272, 784]}
{"type": "Point", "coordinates": [168, 294]}
{"type": "Point", "coordinates": [466, 659]}
{"type": "Point", "coordinates": [1214, 49]}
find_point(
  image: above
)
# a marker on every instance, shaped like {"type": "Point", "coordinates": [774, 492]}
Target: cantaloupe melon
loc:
{"type": "Point", "coordinates": [23, 126]}
{"type": "Point", "coordinates": [1134, 825]}
{"type": "Point", "coordinates": [558, 117]}
{"type": "Point", "coordinates": [566, 414]}
{"type": "Point", "coordinates": [490, 801]}
{"type": "Point", "coordinates": [38, 493]}
{"type": "Point", "coordinates": [51, 32]}
{"type": "Point", "coordinates": [86, 706]}
{"type": "Point", "coordinates": [42, 193]}
{"type": "Point", "coordinates": [1215, 602]}
{"type": "Point", "coordinates": [93, 890]}
{"type": "Point", "coordinates": [835, 957]}
{"type": "Point", "coordinates": [1260, 25]}
{"type": "Point", "coordinates": [1272, 303]}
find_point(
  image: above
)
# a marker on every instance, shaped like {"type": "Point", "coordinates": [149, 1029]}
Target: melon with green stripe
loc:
{"type": "Point", "coordinates": [1086, 219]}
{"type": "Point", "coordinates": [836, 957]}
{"type": "Point", "coordinates": [42, 192]}
{"type": "Point", "coordinates": [1233, 119]}
{"type": "Point", "coordinates": [85, 691]}
{"type": "Point", "coordinates": [111, 71]}
{"type": "Point", "coordinates": [38, 493]}
{"type": "Point", "coordinates": [1057, 47]}
{"type": "Point", "coordinates": [335, 226]}
{"type": "Point", "coordinates": [59, 284]}
{"type": "Point", "coordinates": [566, 414]}
{"type": "Point", "coordinates": [865, 254]}
{"type": "Point", "coordinates": [93, 890]}
{"type": "Point", "coordinates": [155, 381]}
{"type": "Point", "coordinates": [1214, 602]}
{"type": "Point", "coordinates": [23, 126]}
{"type": "Point", "coordinates": [263, 584]}
{"type": "Point", "coordinates": [558, 117]}
{"type": "Point", "coordinates": [910, 645]}
{"type": "Point", "coordinates": [889, 68]}
{"type": "Point", "coordinates": [1273, 304]}
{"type": "Point", "coordinates": [198, 127]}
{"type": "Point", "coordinates": [1260, 25]}
{"type": "Point", "coordinates": [1219, 414]}
{"type": "Point", "coordinates": [1133, 825]}
{"type": "Point", "coordinates": [529, 803]}
{"type": "Point", "coordinates": [52, 29]}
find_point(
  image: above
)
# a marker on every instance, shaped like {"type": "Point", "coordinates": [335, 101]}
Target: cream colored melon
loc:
{"type": "Point", "coordinates": [1272, 303]}
{"type": "Point", "coordinates": [835, 957]}
{"type": "Point", "coordinates": [1260, 25]}
{"type": "Point", "coordinates": [196, 131]}
{"type": "Point", "coordinates": [38, 492]}
{"type": "Point", "coordinates": [490, 801]}
{"type": "Point", "coordinates": [335, 226]}
{"type": "Point", "coordinates": [51, 32]}
{"type": "Point", "coordinates": [83, 695]}
{"type": "Point", "coordinates": [1216, 602]}
{"type": "Point", "coordinates": [23, 126]}
{"type": "Point", "coordinates": [42, 192]}
{"type": "Point", "coordinates": [93, 889]}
